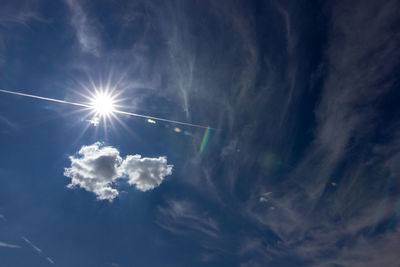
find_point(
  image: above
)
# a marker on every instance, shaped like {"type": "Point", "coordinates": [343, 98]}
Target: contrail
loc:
{"type": "Point", "coordinates": [114, 111]}
{"type": "Point", "coordinates": [160, 119]}
{"type": "Point", "coordinates": [45, 98]}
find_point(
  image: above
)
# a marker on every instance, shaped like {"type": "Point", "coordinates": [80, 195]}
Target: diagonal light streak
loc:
{"type": "Point", "coordinates": [46, 98]}
{"type": "Point", "coordinates": [159, 119]}
{"type": "Point", "coordinates": [91, 107]}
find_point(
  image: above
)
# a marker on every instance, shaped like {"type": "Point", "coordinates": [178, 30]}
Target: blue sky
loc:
{"type": "Point", "coordinates": [301, 167]}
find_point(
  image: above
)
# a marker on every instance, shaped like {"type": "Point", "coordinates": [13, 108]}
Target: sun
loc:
{"type": "Point", "coordinates": [103, 104]}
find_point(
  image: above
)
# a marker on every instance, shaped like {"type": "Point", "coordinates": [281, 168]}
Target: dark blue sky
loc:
{"type": "Point", "coordinates": [301, 167]}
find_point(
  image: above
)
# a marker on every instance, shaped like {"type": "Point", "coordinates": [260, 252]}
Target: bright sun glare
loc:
{"type": "Point", "coordinates": [103, 104]}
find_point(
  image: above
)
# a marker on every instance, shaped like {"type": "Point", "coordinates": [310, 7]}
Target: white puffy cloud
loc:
{"type": "Point", "coordinates": [145, 173]}
{"type": "Point", "coordinates": [96, 168]}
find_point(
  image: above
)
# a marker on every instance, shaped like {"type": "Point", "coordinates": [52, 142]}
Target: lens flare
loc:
{"type": "Point", "coordinates": [205, 139]}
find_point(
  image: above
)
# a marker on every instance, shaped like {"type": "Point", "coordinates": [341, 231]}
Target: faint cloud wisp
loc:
{"type": "Point", "coordinates": [85, 31]}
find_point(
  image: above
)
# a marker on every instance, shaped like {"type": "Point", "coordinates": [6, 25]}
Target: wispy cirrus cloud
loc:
{"type": "Point", "coordinates": [188, 219]}
{"type": "Point", "coordinates": [360, 62]}
{"type": "Point", "coordinates": [20, 14]}
{"type": "Point", "coordinates": [84, 27]}
{"type": "Point", "coordinates": [13, 15]}
{"type": "Point", "coordinates": [381, 251]}
{"type": "Point", "coordinates": [310, 217]}
{"type": "Point", "coordinates": [184, 217]}
{"type": "Point", "coordinates": [97, 168]}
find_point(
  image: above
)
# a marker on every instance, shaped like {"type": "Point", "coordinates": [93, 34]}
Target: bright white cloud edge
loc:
{"type": "Point", "coordinates": [97, 168]}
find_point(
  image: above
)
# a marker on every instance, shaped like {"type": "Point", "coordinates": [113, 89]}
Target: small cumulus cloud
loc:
{"type": "Point", "coordinates": [96, 168]}
{"type": "Point", "coordinates": [145, 173]}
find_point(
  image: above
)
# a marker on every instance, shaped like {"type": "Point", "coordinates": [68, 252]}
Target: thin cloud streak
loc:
{"type": "Point", "coordinates": [114, 111]}
{"type": "Point", "coordinates": [50, 260]}
{"type": "Point", "coordinates": [183, 217]}
{"type": "Point", "coordinates": [38, 250]}
{"type": "Point", "coordinates": [6, 245]}
{"type": "Point", "coordinates": [31, 245]}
